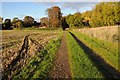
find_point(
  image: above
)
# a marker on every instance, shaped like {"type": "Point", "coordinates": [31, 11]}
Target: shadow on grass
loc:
{"type": "Point", "coordinates": [107, 70]}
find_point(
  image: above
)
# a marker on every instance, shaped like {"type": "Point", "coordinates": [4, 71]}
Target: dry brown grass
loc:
{"type": "Point", "coordinates": [109, 33]}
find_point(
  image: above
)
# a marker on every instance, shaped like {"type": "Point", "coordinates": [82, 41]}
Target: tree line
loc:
{"type": "Point", "coordinates": [53, 20]}
{"type": "Point", "coordinates": [28, 21]}
{"type": "Point", "coordinates": [103, 14]}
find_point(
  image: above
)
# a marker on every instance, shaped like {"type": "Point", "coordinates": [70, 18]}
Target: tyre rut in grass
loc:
{"type": "Point", "coordinates": [27, 50]}
{"type": "Point", "coordinates": [17, 58]}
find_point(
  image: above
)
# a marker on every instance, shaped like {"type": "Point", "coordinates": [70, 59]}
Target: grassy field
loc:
{"type": "Point", "coordinates": [31, 53]}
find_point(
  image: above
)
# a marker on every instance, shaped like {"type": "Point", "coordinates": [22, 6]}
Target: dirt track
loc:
{"type": "Point", "coordinates": [61, 67]}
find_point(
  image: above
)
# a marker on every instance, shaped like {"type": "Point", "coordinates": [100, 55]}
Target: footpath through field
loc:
{"type": "Point", "coordinates": [61, 67]}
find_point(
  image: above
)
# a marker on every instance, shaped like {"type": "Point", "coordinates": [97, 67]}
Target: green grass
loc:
{"type": "Point", "coordinates": [81, 66]}
{"type": "Point", "coordinates": [39, 65]}
{"type": "Point", "coordinates": [107, 50]}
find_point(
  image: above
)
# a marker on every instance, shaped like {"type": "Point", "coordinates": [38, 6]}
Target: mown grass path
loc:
{"type": "Point", "coordinates": [61, 67]}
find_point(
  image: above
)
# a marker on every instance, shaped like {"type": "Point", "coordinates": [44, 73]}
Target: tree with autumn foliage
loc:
{"type": "Point", "coordinates": [75, 20]}
{"type": "Point", "coordinates": [105, 14]}
{"type": "Point", "coordinates": [1, 22]}
{"type": "Point", "coordinates": [54, 16]}
{"type": "Point", "coordinates": [44, 21]}
{"type": "Point", "coordinates": [28, 21]}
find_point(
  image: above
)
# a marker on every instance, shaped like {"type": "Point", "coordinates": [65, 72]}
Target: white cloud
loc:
{"type": "Point", "coordinates": [78, 5]}
{"type": "Point", "coordinates": [37, 19]}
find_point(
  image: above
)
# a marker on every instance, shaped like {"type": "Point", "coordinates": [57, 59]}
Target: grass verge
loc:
{"type": "Point", "coordinates": [80, 64]}
{"type": "Point", "coordinates": [107, 50]}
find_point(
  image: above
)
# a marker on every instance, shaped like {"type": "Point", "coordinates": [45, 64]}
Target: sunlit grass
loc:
{"type": "Point", "coordinates": [80, 64]}
{"type": "Point", "coordinates": [107, 50]}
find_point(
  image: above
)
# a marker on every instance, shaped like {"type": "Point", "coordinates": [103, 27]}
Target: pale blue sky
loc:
{"type": "Point", "coordinates": [37, 9]}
